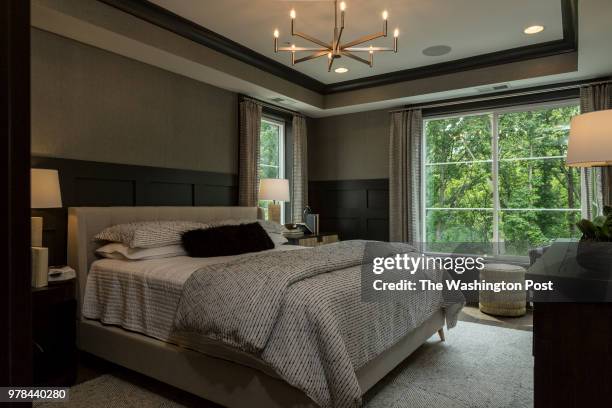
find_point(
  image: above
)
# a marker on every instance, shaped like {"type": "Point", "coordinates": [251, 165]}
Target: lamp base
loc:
{"type": "Point", "coordinates": [40, 267]}
{"type": "Point", "coordinates": [274, 212]}
{"type": "Point", "coordinates": [37, 230]}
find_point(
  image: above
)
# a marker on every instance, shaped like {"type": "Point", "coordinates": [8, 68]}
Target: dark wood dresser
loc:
{"type": "Point", "coordinates": [572, 335]}
{"type": "Point", "coordinates": [54, 333]}
{"type": "Point", "coordinates": [573, 355]}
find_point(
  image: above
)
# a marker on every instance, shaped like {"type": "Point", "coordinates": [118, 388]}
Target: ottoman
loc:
{"type": "Point", "coordinates": [505, 302]}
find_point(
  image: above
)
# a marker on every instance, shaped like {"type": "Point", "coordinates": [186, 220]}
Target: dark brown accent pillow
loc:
{"type": "Point", "coordinates": [226, 240]}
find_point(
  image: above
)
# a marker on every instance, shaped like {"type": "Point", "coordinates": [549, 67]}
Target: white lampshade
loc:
{"type": "Point", "coordinates": [590, 140]}
{"type": "Point", "coordinates": [45, 189]}
{"type": "Point", "coordinates": [274, 189]}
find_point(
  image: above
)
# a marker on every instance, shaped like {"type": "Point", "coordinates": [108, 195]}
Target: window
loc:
{"type": "Point", "coordinates": [271, 155]}
{"type": "Point", "coordinates": [500, 177]}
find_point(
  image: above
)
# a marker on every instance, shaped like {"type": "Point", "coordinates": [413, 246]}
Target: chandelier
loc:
{"type": "Point", "coordinates": [336, 49]}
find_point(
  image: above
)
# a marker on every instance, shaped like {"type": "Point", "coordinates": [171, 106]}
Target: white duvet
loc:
{"type": "Point", "coordinates": [142, 296]}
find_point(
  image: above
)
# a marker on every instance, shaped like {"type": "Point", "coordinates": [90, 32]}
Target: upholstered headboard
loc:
{"type": "Point", "coordinates": [85, 222]}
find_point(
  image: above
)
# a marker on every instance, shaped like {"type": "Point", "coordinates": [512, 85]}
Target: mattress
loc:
{"type": "Point", "coordinates": [142, 296]}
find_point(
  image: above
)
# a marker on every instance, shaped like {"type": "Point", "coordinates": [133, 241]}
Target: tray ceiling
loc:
{"type": "Point", "coordinates": [469, 27]}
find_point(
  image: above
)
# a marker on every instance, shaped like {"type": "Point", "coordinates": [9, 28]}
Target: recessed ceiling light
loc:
{"type": "Point", "coordinates": [437, 50]}
{"type": "Point", "coordinates": [340, 70]}
{"type": "Point", "coordinates": [534, 29]}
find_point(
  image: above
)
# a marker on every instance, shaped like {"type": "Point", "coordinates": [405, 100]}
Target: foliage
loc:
{"type": "Point", "coordinates": [535, 187]}
{"type": "Point", "coordinates": [600, 229]}
{"type": "Point", "coordinates": [269, 155]}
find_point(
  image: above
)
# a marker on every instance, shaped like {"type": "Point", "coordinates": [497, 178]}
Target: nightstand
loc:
{"type": "Point", "coordinates": [54, 333]}
{"type": "Point", "coordinates": [312, 240]}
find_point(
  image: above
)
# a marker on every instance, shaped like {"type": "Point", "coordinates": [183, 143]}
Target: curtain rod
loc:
{"type": "Point", "coordinates": [560, 87]}
{"type": "Point", "coordinates": [270, 105]}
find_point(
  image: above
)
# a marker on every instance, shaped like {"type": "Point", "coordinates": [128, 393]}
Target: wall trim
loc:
{"type": "Point", "coordinates": [163, 18]}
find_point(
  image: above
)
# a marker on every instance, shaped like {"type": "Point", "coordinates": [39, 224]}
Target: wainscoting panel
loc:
{"type": "Point", "coordinates": [86, 183]}
{"type": "Point", "coordinates": [90, 192]}
{"type": "Point", "coordinates": [164, 193]}
{"type": "Point", "coordinates": [356, 209]}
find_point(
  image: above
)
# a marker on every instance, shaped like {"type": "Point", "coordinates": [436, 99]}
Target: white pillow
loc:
{"type": "Point", "coordinates": [118, 250]}
{"type": "Point", "coordinates": [153, 234]}
{"type": "Point", "coordinates": [148, 234]}
{"type": "Point", "coordinates": [278, 239]}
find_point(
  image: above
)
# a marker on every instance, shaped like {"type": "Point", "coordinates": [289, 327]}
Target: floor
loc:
{"type": "Point", "coordinates": [479, 366]}
{"type": "Point", "coordinates": [471, 313]}
{"type": "Point", "coordinates": [91, 367]}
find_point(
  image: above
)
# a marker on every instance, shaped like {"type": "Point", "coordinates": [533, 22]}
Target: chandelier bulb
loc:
{"type": "Point", "coordinates": [396, 33]}
{"type": "Point", "coordinates": [276, 33]}
{"type": "Point", "coordinates": [292, 14]}
{"type": "Point", "coordinates": [385, 15]}
{"type": "Point", "coordinates": [342, 6]}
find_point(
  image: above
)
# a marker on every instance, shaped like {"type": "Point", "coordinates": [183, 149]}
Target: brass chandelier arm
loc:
{"type": "Point", "coordinates": [337, 45]}
{"type": "Point", "coordinates": [364, 39]}
{"type": "Point", "coordinates": [367, 49]}
{"type": "Point", "coordinates": [311, 39]}
{"type": "Point", "coordinates": [330, 62]}
{"type": "Point", "coordinates": [356, 58]}
{"type": "Point", "coordinates": [312, 56]}
{"type": "Point", "coordinates": [299, 49]}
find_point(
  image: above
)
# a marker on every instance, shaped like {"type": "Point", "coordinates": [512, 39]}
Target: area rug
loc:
{"type": "Point", "coordinates": [477, 366]}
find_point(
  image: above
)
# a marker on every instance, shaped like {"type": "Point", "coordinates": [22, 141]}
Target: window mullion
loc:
{"type": "Point", "coordinates": [495, 180]}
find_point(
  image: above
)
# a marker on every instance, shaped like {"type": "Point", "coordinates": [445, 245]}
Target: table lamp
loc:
{"type": "Point", "coordinates": [45, 193]}
{"type": "Point", "coordinates": [590, 140]}
{"type": "Point", "coordinates": [275, 190]}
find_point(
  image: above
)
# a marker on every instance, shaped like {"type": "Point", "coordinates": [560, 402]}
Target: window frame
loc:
{"type": "Point", "coordinates": [281, 151]}
{"type": "Point", "coordinates": [495, 209]}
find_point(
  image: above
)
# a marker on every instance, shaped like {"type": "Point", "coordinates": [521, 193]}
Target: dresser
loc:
{"type": "Point", "coordinates": [54, 333]}
{"type": "Point", "coordinates": [572, 332]}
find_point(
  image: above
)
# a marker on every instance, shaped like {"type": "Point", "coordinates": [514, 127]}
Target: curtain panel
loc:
{"type": "Point", "coordinates": [248, 173]}
{"type": "Point", "coordinates": [299, 182]}
{"type": "Point", "coordinates": [405, 160]}
{"type": "Point", "coordinates": [596, 182]}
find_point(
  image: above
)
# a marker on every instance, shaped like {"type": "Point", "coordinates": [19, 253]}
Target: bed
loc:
{"type": "Point", "coordinates": [205, 367]}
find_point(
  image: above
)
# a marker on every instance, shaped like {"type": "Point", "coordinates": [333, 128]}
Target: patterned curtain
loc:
{"type": "Point", "coordinates": [596, 182]}
{"type": "Point", "coordinates": [405, 176]}
{"type": "Point", "coordinates": [248, 180]}
{"type": "Point", "coordinates": [299, 182]}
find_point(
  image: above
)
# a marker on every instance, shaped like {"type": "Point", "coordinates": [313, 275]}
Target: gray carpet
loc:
{"type": "Point", "coordinates": [477, 366]}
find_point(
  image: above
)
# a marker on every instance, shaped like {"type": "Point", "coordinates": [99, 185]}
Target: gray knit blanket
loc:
{"type": "Point", "coordinates": [301, 312]}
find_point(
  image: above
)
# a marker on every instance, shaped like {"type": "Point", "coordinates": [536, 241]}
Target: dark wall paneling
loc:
{"type": "Point", "coordinates": [92, 184]}
{"type": "Point", "coordinates": [356, 209]}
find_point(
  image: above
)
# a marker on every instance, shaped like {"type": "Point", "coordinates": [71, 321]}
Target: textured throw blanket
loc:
{"type": "Point", "coordinates": [301, 312]}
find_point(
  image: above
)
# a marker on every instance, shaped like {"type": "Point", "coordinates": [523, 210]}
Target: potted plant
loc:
{"type": "Point", "coordinates": [595, 246]}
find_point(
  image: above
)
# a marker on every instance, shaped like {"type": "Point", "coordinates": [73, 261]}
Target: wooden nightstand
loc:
{"type": "Point", "coordinates": [54, 333]}
{"type": "Point", "coordinates": [312, 240]}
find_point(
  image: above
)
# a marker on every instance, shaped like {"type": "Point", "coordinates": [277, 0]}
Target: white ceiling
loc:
{"type": "Point", "coordinates": [470, 27]}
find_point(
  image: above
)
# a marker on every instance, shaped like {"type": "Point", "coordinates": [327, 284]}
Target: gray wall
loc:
{"type": "Point", "coordinates": [349, 147]}
{"type": "Point", "coordinates": [91, 104]}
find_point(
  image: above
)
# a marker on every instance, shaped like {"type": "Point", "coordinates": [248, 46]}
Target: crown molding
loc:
{"type": "Point", "coordinates": [164, 18]}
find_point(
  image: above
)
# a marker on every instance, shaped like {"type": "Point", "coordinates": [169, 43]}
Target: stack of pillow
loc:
{"type": "Point", "coordinates": [164, 239]}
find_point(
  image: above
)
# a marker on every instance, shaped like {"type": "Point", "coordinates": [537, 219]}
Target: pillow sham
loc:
{"type": "Point", "coordinates": [226, 240]}
{"type": "Point", "coordinates": [118, 250]}
{"type": "Point", "coordinates": [148, 234]}
{"type": "Point", "coordinates": [278, 239]}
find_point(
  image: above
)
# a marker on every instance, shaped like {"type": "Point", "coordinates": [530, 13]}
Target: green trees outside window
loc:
{"type": "Point", "coordinates": [500, 177]}
{"type": "Point", "coordinates": [271, 153]}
